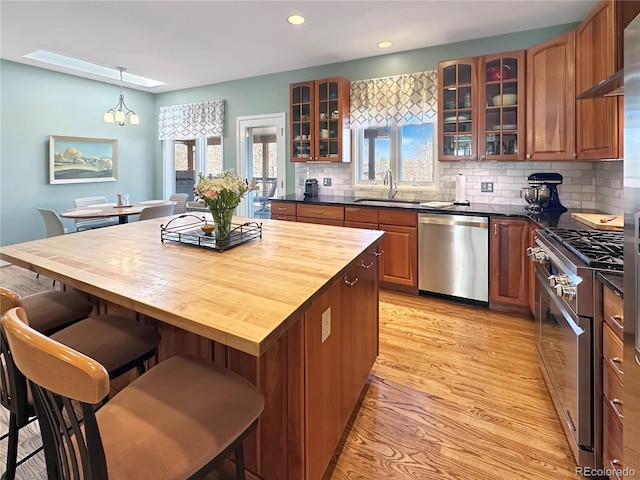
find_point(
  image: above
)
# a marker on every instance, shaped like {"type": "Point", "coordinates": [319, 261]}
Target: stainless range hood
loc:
{"type": "Point", "coordinates": [606, 88]}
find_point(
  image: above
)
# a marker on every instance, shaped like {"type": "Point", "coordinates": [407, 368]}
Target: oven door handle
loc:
{"type": "Point", "coordinates": [542, 280]}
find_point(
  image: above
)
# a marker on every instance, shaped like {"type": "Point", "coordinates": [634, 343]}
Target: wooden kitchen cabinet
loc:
{"type": "Point", "coordinates": [551, 99]}
{"type": "Point", "coordinates": [319, 113]}
{"type": "Point", "coordinates": [399, 261]}
{"type": "Point", "coordinates": [283, 211]}
{"type": "Point", "coordinates": [596, 59]}
{"type": "Point", "coordinates": [337, 364]}
{"type": "Point", "coordinates": [458, 102]}
{"type": "Point", "coordinates": [359, 302]}
{"type": "Point", "coordinates": [319, 213]}
{"type": "Point", "coordinates": [501, 110]}
{"type": "Point", "coordinates": [532, 270]}
{"type": "Point", "coordinates": [509, 265]}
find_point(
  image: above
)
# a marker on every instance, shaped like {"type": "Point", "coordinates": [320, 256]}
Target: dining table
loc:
{"type": "Point", "coordinates": [107, 210]}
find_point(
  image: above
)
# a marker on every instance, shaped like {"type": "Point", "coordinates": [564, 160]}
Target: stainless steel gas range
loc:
{"type": "Point", "coordinates": [567, 341]}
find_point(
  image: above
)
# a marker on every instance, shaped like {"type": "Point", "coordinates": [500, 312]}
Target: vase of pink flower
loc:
{"type": "Point", "coordinates": [222, 195]}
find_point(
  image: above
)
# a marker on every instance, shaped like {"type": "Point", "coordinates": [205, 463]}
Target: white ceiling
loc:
{"type": "Point", "coordinates": [192, 43]}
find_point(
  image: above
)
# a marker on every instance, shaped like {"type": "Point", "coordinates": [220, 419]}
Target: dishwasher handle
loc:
{"type": "Point", "coordinates": [454, 220]}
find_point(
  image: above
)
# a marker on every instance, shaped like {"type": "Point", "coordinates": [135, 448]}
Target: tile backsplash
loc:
{"type": "Point", "coordinates": [586, 185]}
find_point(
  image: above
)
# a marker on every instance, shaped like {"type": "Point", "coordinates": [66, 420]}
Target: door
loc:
{"type": "Point", "coordinates": [261, 153]}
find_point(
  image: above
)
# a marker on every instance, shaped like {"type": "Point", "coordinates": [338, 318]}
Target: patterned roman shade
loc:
{"type": "Point", "coordinates": [191, 121]}
{"type": "Point", "coordinates": [401, 100]}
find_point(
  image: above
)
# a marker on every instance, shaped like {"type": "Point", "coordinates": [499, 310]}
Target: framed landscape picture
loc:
{"type": "Point", "coordinates": [82, 159]}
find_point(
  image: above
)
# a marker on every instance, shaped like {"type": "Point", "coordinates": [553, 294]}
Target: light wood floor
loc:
{"type": "Point", "coordinates": [456, 393]}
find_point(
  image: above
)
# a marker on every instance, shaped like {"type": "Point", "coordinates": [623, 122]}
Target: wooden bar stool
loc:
{"type": "Point", "coordinates": [119, 343]}
{"type": "Point", "coordinates": [49, 312]}
{"type": "Point", "coordinates": [174, 422]}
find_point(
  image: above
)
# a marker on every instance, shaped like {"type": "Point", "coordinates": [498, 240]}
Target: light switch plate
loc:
{"type": "Point", "coordinates": [326, 324]}
{"type": "Point", "coordinates": [326, 182]}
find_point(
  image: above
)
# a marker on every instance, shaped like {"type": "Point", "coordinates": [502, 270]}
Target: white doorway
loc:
{"type": "Point", "coordinates": [261, 155]}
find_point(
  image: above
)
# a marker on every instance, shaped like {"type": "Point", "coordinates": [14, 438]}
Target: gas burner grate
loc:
{"type": "Point", "coordinates": [597, 249]}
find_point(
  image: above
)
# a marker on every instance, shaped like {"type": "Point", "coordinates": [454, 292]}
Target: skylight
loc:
{"type": "Point", "coordinates": [92, 68]}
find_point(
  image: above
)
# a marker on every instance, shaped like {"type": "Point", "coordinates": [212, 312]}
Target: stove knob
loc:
{"type": "Point", "coordinates": [551, 280]}
{"type": "Point", "coordinates": [558, 288]}
{"type": "Point", "coordinates": [569, 292]}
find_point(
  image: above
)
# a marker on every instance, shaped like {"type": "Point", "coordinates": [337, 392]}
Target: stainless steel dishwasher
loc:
{"type": "Point", "coordinates": [453, 255]}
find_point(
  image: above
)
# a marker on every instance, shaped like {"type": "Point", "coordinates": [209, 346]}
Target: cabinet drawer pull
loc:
{"type": "Point", "coordinates": [348, 283]}
{"type": "Point", "coordinates": [282, 209]}
{"type": "Point", "coordinates": [495, 229]}
{"type": "Point", "coordinates": [366, 267]}
{"type": "Point", "coordinates": [616, 466]}
{"type": "Point", "coordinates": [319, 212]}
{"type": "Point", "coordinates": [618, 321]}
{"type": "Point", "coordinates": [377, 254]}
{"type": "Point", "coordinates": [614, 404]}
{"type": "Point", "coordinates": [614, 362]}
{"type": "Point", "coordinates": [281, 217]}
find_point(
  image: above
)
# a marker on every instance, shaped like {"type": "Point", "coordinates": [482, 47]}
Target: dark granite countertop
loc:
{"type": "Point", "coordinates": [543, 219]}
{"type": "Point", "coordinates": [612, 280]}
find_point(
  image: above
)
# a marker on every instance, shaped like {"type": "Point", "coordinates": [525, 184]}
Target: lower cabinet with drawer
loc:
{"type": "Point", "coordinates": [283, 211]}
{"type": "Point", "coordinates": [398, 264]}
{"type": "Point", "coordinates": [612, 382]}
{"type": "Point", "coordinates": [324, 214]}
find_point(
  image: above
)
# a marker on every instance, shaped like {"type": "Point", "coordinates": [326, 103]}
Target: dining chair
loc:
{"type": "Point", "coordinates": [88, 223]}
{"type": "Point", "coordinates": [181, 202]}
{"type": "Point", "coordinates": [156, 211]}
{"type": "Point", "coordinates": [49, 312]}
{"type": "Point", "coordinates": [53, 225]}
{"type": "Point", "coordinates": [118, 343]}
{"type": "Point", "coordinates": [176, 421]}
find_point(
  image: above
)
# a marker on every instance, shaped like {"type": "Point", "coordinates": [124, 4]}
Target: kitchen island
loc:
{"type": "Point", "coordinates": [295, 312]}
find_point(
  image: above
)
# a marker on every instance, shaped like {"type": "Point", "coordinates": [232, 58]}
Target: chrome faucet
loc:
{"type": "Point", "coordinates": [388, 180]}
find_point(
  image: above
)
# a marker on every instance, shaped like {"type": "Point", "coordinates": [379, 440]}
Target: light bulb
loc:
{"type": "Point", "coordinates": [134, 120]}
{"type": "Point", "coordinates": [108, 117]}
{"type": "Point", "coordinates": [120, 116]}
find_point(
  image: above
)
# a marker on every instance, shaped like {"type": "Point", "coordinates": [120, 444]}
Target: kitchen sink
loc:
{"type": "Point", "coordinates": [387, 202]}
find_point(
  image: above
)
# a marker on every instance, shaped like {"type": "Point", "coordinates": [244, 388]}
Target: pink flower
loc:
{"type": "Point", "coordinates": [211, 193]}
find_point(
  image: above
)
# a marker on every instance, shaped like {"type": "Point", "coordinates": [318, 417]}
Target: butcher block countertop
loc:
{"type": "Point", "coordinates": [245, 297]}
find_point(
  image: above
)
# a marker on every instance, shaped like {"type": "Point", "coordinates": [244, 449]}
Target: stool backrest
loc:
{"type": "Point", "coordinates": [57, 375]}
{"type": "Point", "coordinates": [13, 385]}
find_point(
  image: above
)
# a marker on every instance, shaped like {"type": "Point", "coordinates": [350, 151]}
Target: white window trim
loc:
{"type": "Point", "coordinates": [407, 186]}
{"type": "Point", "coordinates": [169, 162]}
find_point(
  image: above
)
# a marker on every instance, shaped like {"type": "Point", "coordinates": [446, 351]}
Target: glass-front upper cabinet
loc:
{"type": "Point", "coordinates": [501, 133]}
{"type": "Point", "coordinates": [301, 134]}
{"type": "Point", "coordinates": [457, 104]}
{"type": "Point", "coordinates": [320, 121]}
{"type": "Point", "coordinates": [332, 120]}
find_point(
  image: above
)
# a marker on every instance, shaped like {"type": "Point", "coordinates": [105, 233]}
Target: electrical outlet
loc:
{"type": "Point", "coordinates": [66, 230]}
{"type": "Point", "coordinates": [486, 187]}
{"type": "Point", "coordinates": [326, 182]}
{"type": "Point", "coordinates": [326, 324]}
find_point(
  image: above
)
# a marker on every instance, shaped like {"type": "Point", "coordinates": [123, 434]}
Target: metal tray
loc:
{"type": "Point", "coordinates": [189, 233]}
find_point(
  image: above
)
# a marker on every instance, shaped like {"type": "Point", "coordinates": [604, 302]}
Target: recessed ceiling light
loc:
{"type": "Point", "coordinates": [296, 19]}
{"type": "Point", "coordinates": [385, 44]}
{"type": "Point", "coordinates": [92, 68]}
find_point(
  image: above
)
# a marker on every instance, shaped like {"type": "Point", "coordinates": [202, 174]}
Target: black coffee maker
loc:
{"type": "Point", "coordinates": [311, 187]}
{"type": "Point", "coordinates": [551, 181]}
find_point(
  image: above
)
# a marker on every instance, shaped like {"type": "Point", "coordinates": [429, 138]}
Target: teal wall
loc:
{"type": "Point", "coordinates": [36, 103]}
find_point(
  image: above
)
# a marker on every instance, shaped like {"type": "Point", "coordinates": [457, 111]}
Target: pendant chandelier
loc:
{"type": "Point", "coordinates": [121, 112]}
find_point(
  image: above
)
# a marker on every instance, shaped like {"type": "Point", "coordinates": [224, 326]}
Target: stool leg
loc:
{"type": "Point", "coordinates": [12, 448]}
{"type": "Point", "coordinates": [239, 458]}
{"type": "Point", "coordinates": [141, 368]}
